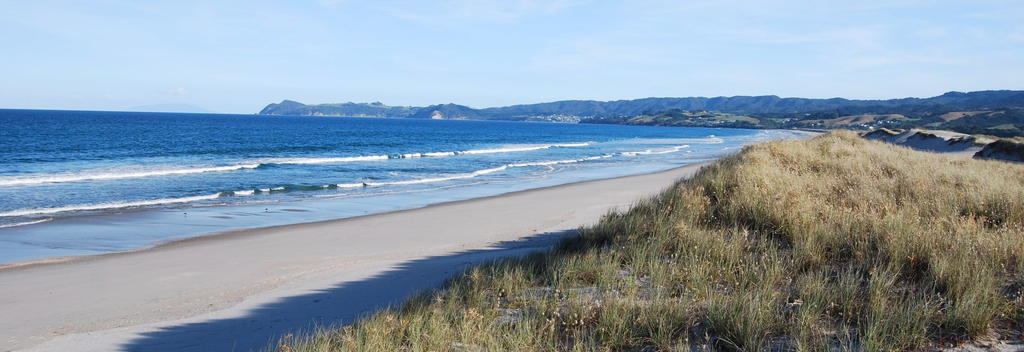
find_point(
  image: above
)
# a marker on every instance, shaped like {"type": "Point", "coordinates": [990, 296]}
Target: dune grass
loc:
{"type": "Point", "coordinates": [833, 243]}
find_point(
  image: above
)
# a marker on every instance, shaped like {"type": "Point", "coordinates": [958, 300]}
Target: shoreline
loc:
{"type": "Point", "coordinates": [190, 281]}
{"type": "Point", "coordinates": [115, 230]}
{"type": "Point", "coordinates": [243, 231]}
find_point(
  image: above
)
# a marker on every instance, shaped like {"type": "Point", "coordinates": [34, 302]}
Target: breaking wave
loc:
{"type": "Point", "coordinates": [281, 189]}
{"type": "Point", "coordinates": [25, 223]}
{"type": "Point", "coordinates": [105, 206]}
{"type": "Point", "coordinates": [39, 179]}
{"type": "Point", "coordinates": [61, 178]}
{"type": "Point", "coordinates": [657, 151]}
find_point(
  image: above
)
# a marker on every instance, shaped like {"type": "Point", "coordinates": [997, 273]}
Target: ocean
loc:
{"type": "Point", "coordinates": [89, 182]}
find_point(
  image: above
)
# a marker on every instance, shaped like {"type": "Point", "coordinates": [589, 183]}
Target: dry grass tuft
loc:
{"type": "Point", "coordinates": [833, 243]}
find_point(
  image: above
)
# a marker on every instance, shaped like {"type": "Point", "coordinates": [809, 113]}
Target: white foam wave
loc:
{"type": "Point", "coordinates": [477, 173]}
{"type": "Point", "coordinates": [429, 155]}
{"type": "Point", "coordinates": [655, 152]}
{"type": "Point", "coordinates": [103, 206]}
{"type": "Point", "coordinates": [473, 174]}
{"type": "Point", "coordinates": [482, 172]}
{"type": "Point", "coordinates": [38, 179]}
{"type": "Point", "coordinates": [439, 179]}
{"type": "Point", "coordinates": [556, 162]}
{"type": "Point", "coordinates": [61, 178]}
{"type": "Point", "coordinates": [25, 223]}
{"type": "Point", "coordinates": [522, 149]}
{"type": "Point", "coordinates": [710, 139]}
{"type": "Point", "coordinates": [335, 160]}
{"type": "Point", "coordinates": [495, 150]}
{"type": "Point", "coordinates": [269, 190]}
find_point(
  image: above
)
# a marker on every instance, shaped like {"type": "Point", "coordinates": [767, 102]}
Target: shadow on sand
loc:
{"type": "Point", "coordinates": [338, 305]}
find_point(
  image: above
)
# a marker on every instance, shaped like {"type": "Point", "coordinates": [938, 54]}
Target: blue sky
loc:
{"type": "Point", "coordinates": [237, 56]}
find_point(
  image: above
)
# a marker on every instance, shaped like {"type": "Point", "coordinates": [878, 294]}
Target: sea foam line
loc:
{"type": "Point", "coordinates": [25, 223]}
{"type": "Point", "coordinates": [333, 160]}
{"type": "Point", "coordinates": [482, 172]}
{"type": "Point", "coordinates": [63, 178]}
{"type": "Point", "coordinates": [654, 152]}
{"type": "Point", "coordinates": [473, 174]}
{"type": "Point", "coordinates": [477, 173]}
{"type": "Point", "coordinates": [710, 139]}
{"type": "Point", "coordinates": [493, 150]}
{"type": "Point", "coordinates": [104, 206]}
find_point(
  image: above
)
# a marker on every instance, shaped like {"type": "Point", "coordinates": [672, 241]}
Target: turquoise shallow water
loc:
{"type": "Point", "coordinates": [75, 182]}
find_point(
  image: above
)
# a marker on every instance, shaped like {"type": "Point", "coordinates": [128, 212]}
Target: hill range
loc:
{"type": "Point", "coordinates": [994, 112]}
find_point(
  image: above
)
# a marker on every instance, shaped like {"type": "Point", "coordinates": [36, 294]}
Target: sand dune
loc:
{"type": "Point", "coordinates": [929, 140]}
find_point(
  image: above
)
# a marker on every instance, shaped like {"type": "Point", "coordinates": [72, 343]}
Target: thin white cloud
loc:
{"type": "Point", "coordinates": [896, 59]}
{"type": "Point", "coordinates": [178, 91]}
{"type": "Point", "coordinates": [330, 3]}
{"type": "Point", "coordinates": [446, 12]}
{"type": "Point", "coordinates": [509, 9]}
{"type": "Point", "coordinates": [861, 37]}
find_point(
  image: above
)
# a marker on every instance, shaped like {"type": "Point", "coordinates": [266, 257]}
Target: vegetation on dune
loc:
{"type": "Point", "coordinates": [832, 243]}
{"type": "Point", "coordinates": [1003, 149]}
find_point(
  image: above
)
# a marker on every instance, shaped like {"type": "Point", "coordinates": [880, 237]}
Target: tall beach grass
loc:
{"type": "Point", "coordinates": [829, 244]}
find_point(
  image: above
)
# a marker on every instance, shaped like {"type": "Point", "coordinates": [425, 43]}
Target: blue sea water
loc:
{"type": "Point", "coordinates": [87, 182]}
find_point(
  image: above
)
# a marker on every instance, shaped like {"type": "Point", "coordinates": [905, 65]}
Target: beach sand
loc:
{"type": "Point", "coordinates": [240, 290]}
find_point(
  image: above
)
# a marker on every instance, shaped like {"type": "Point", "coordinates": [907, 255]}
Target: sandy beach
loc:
{"type": "Point", "coordinates": [240, 290]}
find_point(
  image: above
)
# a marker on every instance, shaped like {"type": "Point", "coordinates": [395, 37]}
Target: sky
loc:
{"type": "Point", "coordinates": [238, 56]}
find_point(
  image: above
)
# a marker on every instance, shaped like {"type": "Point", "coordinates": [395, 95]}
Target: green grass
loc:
{"type": "Point", "coordinates": [832, 243]}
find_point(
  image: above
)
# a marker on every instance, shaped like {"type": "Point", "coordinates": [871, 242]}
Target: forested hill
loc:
{"type": "Point", "coordinates": [768, 104]}
{"type": "Point", "coordinates": [756, 104]}
{"type": "Point", "coordinates": [999, 112]}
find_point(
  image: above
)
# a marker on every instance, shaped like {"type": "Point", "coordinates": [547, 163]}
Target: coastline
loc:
{"type": "Point", "coordinates": [246, 231]}
{"type": "Point", "coordinates": [116, 298]}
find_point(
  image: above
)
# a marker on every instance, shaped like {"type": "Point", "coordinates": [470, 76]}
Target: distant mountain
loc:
{"type": "Point", "coordinates": [768, 104]}
{"type": "Point", "coordinates": [375, 109]}
{"type": "Point", "coordinates": [170, 108]}
{"type": "Point", "coordinates": [756, 105]}
{"type": "Point", "coordinates": [996, 112]}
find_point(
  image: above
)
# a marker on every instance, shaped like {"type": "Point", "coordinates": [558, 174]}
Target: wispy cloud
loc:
{"type": "Point", "coordinates": [178, 91]}
{"type": "Point", "coordinates": [860, 37]}
{"type": "Point", "coordinates": [509, 9]}
{"type": "Point", "coordinates": [479, 10]}
{"type": "Point", "coordinates": [898, 59]}
{"type": "Point", "coordinates": [330, 3]}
